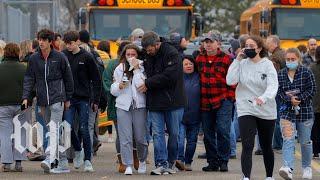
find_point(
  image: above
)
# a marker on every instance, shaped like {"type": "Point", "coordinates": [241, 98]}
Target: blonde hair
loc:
{"type": "Point", "coordinates": [296, 52]}
{"type": "Point", "coordinates": [25, 48]}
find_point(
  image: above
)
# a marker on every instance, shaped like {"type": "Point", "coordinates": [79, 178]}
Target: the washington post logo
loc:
{"type": "Point", "coordinates": [58, 135]}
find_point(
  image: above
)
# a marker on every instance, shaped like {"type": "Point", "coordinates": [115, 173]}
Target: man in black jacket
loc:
{"type": "Point", "coordinates": [85, 73]}
{"type": "Point", "coordinates": [50, 75]}
{"type": "Point", "coordinates": [165, 99]}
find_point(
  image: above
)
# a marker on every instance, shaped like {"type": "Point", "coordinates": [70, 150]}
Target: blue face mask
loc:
{"type": "Point", "coordinates": [292, 65]}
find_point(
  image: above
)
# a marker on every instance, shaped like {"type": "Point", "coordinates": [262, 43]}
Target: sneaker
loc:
{"type": "Point", "coordinates": [46, 166]}
{"type": "Point", "coordinates": [285, 173]}
{"type": "Point", "coordinates": [78, 159]}
{"type": "Point", "coordinates": [142, 167]}
{"type": "Point", "coordinates": [158, 171]}
{"type": "Point", "coordinates": [269, 178]}
{"type": "Point", "coordinates": [307, 173]}
{"type": "Point", "coordinates": [224, 167]}
{"type": "Point", "coordinates": [88, 166]}
{"type": "Point", "coordinates": [245, 178]}
{"type": "Point", "coordinates": [128, 171]}
{"type": "Point", "coordinates": [6, 168]}
{"type": "Point", "coordinates": [316, 155]}
{"type": "Point", "coordinates": [110, 140]}
{"type": "Point", "coordinates": [210, 168]}
{"type": "Point", "coordinates": [18, 167]}
{"type": "Point", "coordinates": [63, 167]}
{"type": "Point", "coordinates": [180, 165]}
{"type": "Point", "coordinates": [170, 170]}
{"type": "Point", "coordinates": [187, 167]}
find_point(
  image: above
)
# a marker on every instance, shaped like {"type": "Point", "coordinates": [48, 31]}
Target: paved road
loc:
{"type": "Point", "coordinates": [105, 168]}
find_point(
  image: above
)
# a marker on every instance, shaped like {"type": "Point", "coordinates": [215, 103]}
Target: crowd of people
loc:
{"type": "Point", "coordinates": [256, 93]}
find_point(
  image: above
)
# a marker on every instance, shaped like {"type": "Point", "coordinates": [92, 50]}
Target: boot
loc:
{"type": "Point", "coordinates": [122, 167]}
{"type": "Point", "coordinates": [135, 160]}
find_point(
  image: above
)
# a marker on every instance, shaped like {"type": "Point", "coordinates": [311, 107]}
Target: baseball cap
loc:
{"type": "Point", "coordinates": [212, 36]}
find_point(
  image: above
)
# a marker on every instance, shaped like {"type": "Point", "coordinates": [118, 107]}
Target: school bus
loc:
{"type": "Point", "coordinates": [294, 21]}
{"type": "Point", "coordinates": [116, 19]}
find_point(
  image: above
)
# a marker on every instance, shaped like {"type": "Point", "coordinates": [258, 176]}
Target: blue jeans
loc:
{"type": "Point", "coordinates": [277, 137]}
{"type": "Point", "coordinates": [165, 155]}
{"type": "Point", "coordinates": [288, 130]}
{"type": "Point", "coordinates": [40, 119]}
{"type": "Point", "coordinates": [81, 107]}
{"type": "Point", "coordinates": [189, 131]}
{"type": "Point", "coordinates": [216, 127]}
{"type": "Point", "coordinates": [234, 133]}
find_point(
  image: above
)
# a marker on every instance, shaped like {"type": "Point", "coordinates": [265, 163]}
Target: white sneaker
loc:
{"type": "Point", "coordinates": [307, 173]}
{"type": "Point", "coordinates": [63, 167]}
{"type": "Point", "coordinates": [78, 159]}
{"type": "Point", "coordinates": [88, 166]}
{"type": "Point", "coordinates": [269, 178]}
{"type": "Point", "coordinates": [142, 167]}
{"type": "Point", "coordinates": [110, 140]}
{"type": "Point", "coordinates": [46, 166]}
{"type": "Point", "coordinates": [285, 173]}
{"type": "Point", "coordinates": [128, 171]}
{"type": "Point", "coordinates": [245, 178]}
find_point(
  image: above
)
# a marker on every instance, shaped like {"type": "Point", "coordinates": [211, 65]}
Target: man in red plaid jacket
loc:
{"type": "Point", "coordinates": [217, 100]}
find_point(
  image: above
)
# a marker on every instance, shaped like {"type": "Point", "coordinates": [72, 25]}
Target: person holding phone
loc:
{"type": "Point", "coordinates": [11, 92]}
{"type": "Point", "coordinates": [87, 82]}
{"type": "Point", "coordinates": [257, 86]}
{"type": "Point", "coordinates": [131, 108]}
{"type": "Point", "coordinates": [296, 89]}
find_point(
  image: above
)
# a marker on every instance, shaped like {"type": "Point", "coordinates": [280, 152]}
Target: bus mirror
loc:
{"type": "Point", "coordinates": [236, 32]}
{"type": "Point", "coordinates": [264, 33]}
{"type": "Point", "coordinates": [264, 17]}
{"type": "Point", "coordinates": [82, 16]}
{"type": "Point", "coordinates": [199, 25]}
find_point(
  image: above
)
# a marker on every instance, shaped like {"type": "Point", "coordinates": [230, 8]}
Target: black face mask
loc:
{"type": "Point", "coordinates": [251, 53]}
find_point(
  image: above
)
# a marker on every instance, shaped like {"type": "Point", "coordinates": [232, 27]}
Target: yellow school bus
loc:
{"type": "Point", "coordinates": [294, 21]}
{"type": "Point", "coordinates": [116, 19]}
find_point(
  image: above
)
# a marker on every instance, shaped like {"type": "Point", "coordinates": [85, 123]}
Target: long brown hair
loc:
{"type": "Point", "coordinates": [124, 61]}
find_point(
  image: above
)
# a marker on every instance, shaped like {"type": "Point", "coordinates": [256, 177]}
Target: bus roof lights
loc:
{"type": "Point", "coordinates": [292, 2]}
{"type": "Point", "coordinates": [110, 2]}
{"type": "Point", "coordinates": [170, 2]}
{"type": "Point", "coordinates": [179, 2]}
{"type": "Point", "coordinates": [284, 2]}
{"type": "Point", "coordinates": [102, 2]}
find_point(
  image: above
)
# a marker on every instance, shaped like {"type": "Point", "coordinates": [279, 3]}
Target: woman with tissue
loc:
{"type": "Point", "coordinates": [296, 89]}
{"type": "Point", "coordinates": [257, 86]}
{"type": "Point", "coordinates": [131, 107]}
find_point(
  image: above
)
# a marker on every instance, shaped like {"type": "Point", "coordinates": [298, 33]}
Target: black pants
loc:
{"type": "Point", "coordinates": [248, 128]}
{"type": "Point", "coordinates": [315, 134]}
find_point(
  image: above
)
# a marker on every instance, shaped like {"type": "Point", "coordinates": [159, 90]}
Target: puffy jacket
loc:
{"type": "Point", "coordinates": [164, 79]}
{"type": "Point", "coordinates": [52, 78]}
{"type": "Point", "coordinates": [126, 96]}
{"type": "Point", "coordinates": [192, 88]}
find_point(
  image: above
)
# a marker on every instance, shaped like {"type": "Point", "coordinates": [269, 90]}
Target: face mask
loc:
{"type": "Point", "coordinates": [292, 65]}
{"type": "Point", "coordinates": [251, 53]}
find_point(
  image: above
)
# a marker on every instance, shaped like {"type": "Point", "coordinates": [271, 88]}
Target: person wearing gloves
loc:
{"type": "Point", "coordinates": [131, 108]}
{"type": "Point", "coordinates": [257, 86]}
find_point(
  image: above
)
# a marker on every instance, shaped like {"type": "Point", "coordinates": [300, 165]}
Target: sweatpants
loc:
{"type": "Point", "coordinates": [248, 128]}
{"type": "Point", "coordinates": [131, 124]}
{"type": "Point", "coordinates": [7, 150]}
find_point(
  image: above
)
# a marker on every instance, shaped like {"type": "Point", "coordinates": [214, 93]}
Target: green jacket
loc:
{"type": "Point", "coordinates": [107, 78]}
{"type": "Point", "coordinates": [11, 81]}
{"type": "Point", "coordinates": [315, 68]}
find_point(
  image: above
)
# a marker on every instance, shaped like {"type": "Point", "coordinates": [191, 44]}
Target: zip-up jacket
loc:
{"type": "Point", "coordinates": [85, 74]}
{"type": "Point", "coordinates": [51, 78]}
